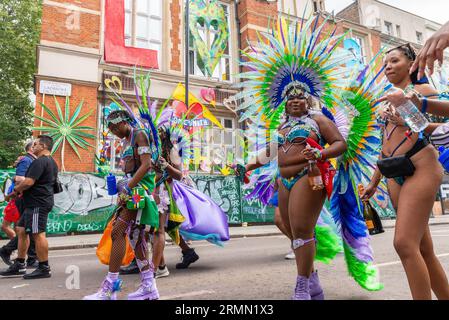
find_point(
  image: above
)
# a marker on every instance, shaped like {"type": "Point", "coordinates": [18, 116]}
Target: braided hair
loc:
{"type": "Point", "coordinates": [409, 52]}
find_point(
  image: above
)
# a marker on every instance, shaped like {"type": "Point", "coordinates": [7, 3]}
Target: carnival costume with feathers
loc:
{"type": "Point", "coordinates": [191, 213]}
{"type": "Point", "coordinates": [292, 55]}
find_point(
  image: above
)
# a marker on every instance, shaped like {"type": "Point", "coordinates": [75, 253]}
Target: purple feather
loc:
{"type": "Point", "coordinates": [361, 246]}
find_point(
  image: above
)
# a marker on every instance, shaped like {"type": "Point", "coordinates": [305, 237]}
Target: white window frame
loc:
{"type": "Point", "coordinates": [419, 37]}
{"type": "Point", "coordinates": [225, 59]}
{"type": "Point", "coordinates": [398, 31]}
{"type": "Point", "coordinates": [388, 28]}
{"type": "Point", "coordinates": [131, 16]}
{"type": "Point", "coordinates": [114, 167]}
{"type": "Point", "coordinates": [361, 40]}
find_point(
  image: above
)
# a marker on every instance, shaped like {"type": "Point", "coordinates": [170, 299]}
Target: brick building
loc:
{"type": "Point", "coordinates": [84, 42]}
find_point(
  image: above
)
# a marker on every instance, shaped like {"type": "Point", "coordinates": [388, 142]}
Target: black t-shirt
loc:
{"type": "Point", "coordinates": [44, 171]}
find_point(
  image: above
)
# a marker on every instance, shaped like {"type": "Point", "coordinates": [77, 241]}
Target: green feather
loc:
{"type": "Point", "coordinates": [363, 273]}
{"type": "Point", "coordinates": [328, 244]}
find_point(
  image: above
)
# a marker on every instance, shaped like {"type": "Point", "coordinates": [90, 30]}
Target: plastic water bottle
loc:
{"type": "Point", "coordinates": [112, 184]}
{"type": "Point", "coordinates": [408, 111]}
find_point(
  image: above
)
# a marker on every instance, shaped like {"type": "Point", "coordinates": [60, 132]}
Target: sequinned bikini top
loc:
{"type": "Point", "coordinates": [301, 127]}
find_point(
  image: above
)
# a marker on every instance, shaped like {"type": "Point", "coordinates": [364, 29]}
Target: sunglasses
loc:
{"type": "Point", "coordinates": [407, 49]}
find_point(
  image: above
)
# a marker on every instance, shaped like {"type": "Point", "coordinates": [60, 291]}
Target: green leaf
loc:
{"type": "Point", "coordinates": [67, 109]}
{"type": "Point", "coordinates": [46, 120]}
{"type": "Point", "coordinates": [51, 114]}
{"type": "Point", "coordinates": [81, 142]}
{"type": "Point", "coordinates": [83, 128]}
{"type": "Point", "coordinates": [84, 134]}
{"type": "Point", "coordinates": [70, 141]}
{"type": "Point", "coordinates": [58, 108]}
{"type": "Point", "coordinates": [80, 120]}
{"type": "Point", "coordinates": [77, 112]}
{"type": "Point", "coordinates": [56, 145]}
{"type": "Point", "coordinates": [47, 129]}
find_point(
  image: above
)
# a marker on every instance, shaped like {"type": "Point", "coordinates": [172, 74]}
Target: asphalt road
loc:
{"type": "Point", "coordinates": [245, 269]}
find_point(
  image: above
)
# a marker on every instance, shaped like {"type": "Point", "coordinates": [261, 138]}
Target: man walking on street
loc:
{"type": "Point", "coordinates": [23, 163]}
{"type": "Point", "coordinates": [38, 200]}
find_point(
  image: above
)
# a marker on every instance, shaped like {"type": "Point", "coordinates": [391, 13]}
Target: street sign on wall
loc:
{"type": "Point", "coordinates": [55, 88]}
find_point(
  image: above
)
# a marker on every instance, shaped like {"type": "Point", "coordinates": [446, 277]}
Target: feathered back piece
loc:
{"type": "Point", "coordinates": [293, 54]}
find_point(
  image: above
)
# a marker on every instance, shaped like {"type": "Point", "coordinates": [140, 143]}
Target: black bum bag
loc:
{"type": "Point", "coordinates": [401, 166]}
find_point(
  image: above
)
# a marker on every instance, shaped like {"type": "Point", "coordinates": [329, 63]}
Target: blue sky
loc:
{"type": "Point", "coordinates": [436, 10]}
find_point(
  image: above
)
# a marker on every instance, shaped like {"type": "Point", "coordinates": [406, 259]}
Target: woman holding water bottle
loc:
{"type": "Point", "coordinates": [414, 176]}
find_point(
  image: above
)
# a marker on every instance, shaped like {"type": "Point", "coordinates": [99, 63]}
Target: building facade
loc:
{"type": "Point", "coordinates": [85, 42]}
{"type": "Point", "coordinates": [395, 25]}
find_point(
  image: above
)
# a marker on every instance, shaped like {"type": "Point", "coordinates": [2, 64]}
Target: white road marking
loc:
{"type": "Point", "coordinates": [399, 262]}
{"type": "Point", "coordinates": [21, 286]}
{"type": "Point", "coordinates": [188, 294]}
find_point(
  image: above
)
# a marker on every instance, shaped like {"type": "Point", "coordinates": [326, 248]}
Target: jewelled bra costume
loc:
{"type": "Point", "coordinates": [299, 132]}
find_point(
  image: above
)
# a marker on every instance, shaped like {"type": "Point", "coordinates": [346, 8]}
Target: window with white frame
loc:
{"type": "Point", "coordinates": [298, 8]}
{"type": "Point", "coordinates": [398, 31]}
{"type": "Point", "coordinates": [419, 37]}
{"type": "Point", "coordinates": [109, 146]}
{"type": "Point", "coordinates": [388, 28]}
{"type": "Point", "coordinates": [143, 24]}
{"type": "Point", "coordinates": [361, 42]}
{"type": "Point", "coordinates": [222, 71]}
{"type": "Point", "coordinates": [218, 146]}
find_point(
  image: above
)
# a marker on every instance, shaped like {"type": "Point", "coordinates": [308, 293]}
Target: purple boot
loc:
{"type": "Point", "coordinates": [147, 289]}
{"type": "Point", "coordinates": [108, 290]}
{"type": "Point", "coordinates": [302, 289]}
{"type": "Point", "coordinates": [316, 292]}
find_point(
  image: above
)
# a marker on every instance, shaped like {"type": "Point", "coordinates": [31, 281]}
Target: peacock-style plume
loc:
{"type": "Point", "coordinates": [291, 54]}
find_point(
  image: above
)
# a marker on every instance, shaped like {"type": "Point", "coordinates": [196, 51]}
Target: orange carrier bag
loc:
{"type": "Point", "coordinates": [105, 246]}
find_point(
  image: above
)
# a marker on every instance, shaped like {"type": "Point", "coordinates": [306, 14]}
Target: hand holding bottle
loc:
{"type": "Point", "coordinates": [312, 153]}
{"type": "Point", "coordinates": [406, 108]}
{"type": "Point", "coordinates": [368, 192]}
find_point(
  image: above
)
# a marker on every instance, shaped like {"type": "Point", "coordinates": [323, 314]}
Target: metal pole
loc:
{"type": "Point", "coordinates": [187, 33]}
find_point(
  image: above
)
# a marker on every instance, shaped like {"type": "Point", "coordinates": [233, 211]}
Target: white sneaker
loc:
{"type": "Point", "coordinates": [290, 256]}
{"type": "Point", "coordinates": [160, 273]}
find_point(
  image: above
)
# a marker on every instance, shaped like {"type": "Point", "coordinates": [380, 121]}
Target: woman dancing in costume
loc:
{"type": "Point", "coordinates": [299, 205]}
{"type": "Point", "coordinates": [138, 171]}
{"type": "Point", "coordinates": [413, 197]}
{"type": "Point", "coordinates": [286, 69]}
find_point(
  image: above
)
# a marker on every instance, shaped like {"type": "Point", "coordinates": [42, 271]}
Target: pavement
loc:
{"type": "Point", "coordinates": [246, 268]}
{"type": "Point", "coordinates": [91, 240]}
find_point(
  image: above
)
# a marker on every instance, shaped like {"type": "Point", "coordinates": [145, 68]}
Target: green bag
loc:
{"type": "Point", "coordinates": [137, 200]}
{"type": "Point", "coordinates": [148, 215]}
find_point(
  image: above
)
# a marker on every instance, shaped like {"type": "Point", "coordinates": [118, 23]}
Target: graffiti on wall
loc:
{"type": "Point", "coordinates": [82, 194]}
{"type": "Point", "coordinates": [225, 191]}
{"type": "Point", "coordinates": [83, 206]}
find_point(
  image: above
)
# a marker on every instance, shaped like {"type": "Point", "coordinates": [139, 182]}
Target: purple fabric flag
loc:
{"type": "Point", "coordinates": [202, 215]}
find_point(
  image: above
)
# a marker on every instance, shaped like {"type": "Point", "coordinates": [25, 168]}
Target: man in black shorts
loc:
{"type": "Point", "coordinates": [38, 200]}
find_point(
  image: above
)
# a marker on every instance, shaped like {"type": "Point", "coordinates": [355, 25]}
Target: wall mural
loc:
{"type": "Point", "coordinates": [207, 16]}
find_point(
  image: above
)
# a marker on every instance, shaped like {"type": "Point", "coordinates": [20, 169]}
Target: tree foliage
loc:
{"type": "Point", "coordinates": [20, 25]}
